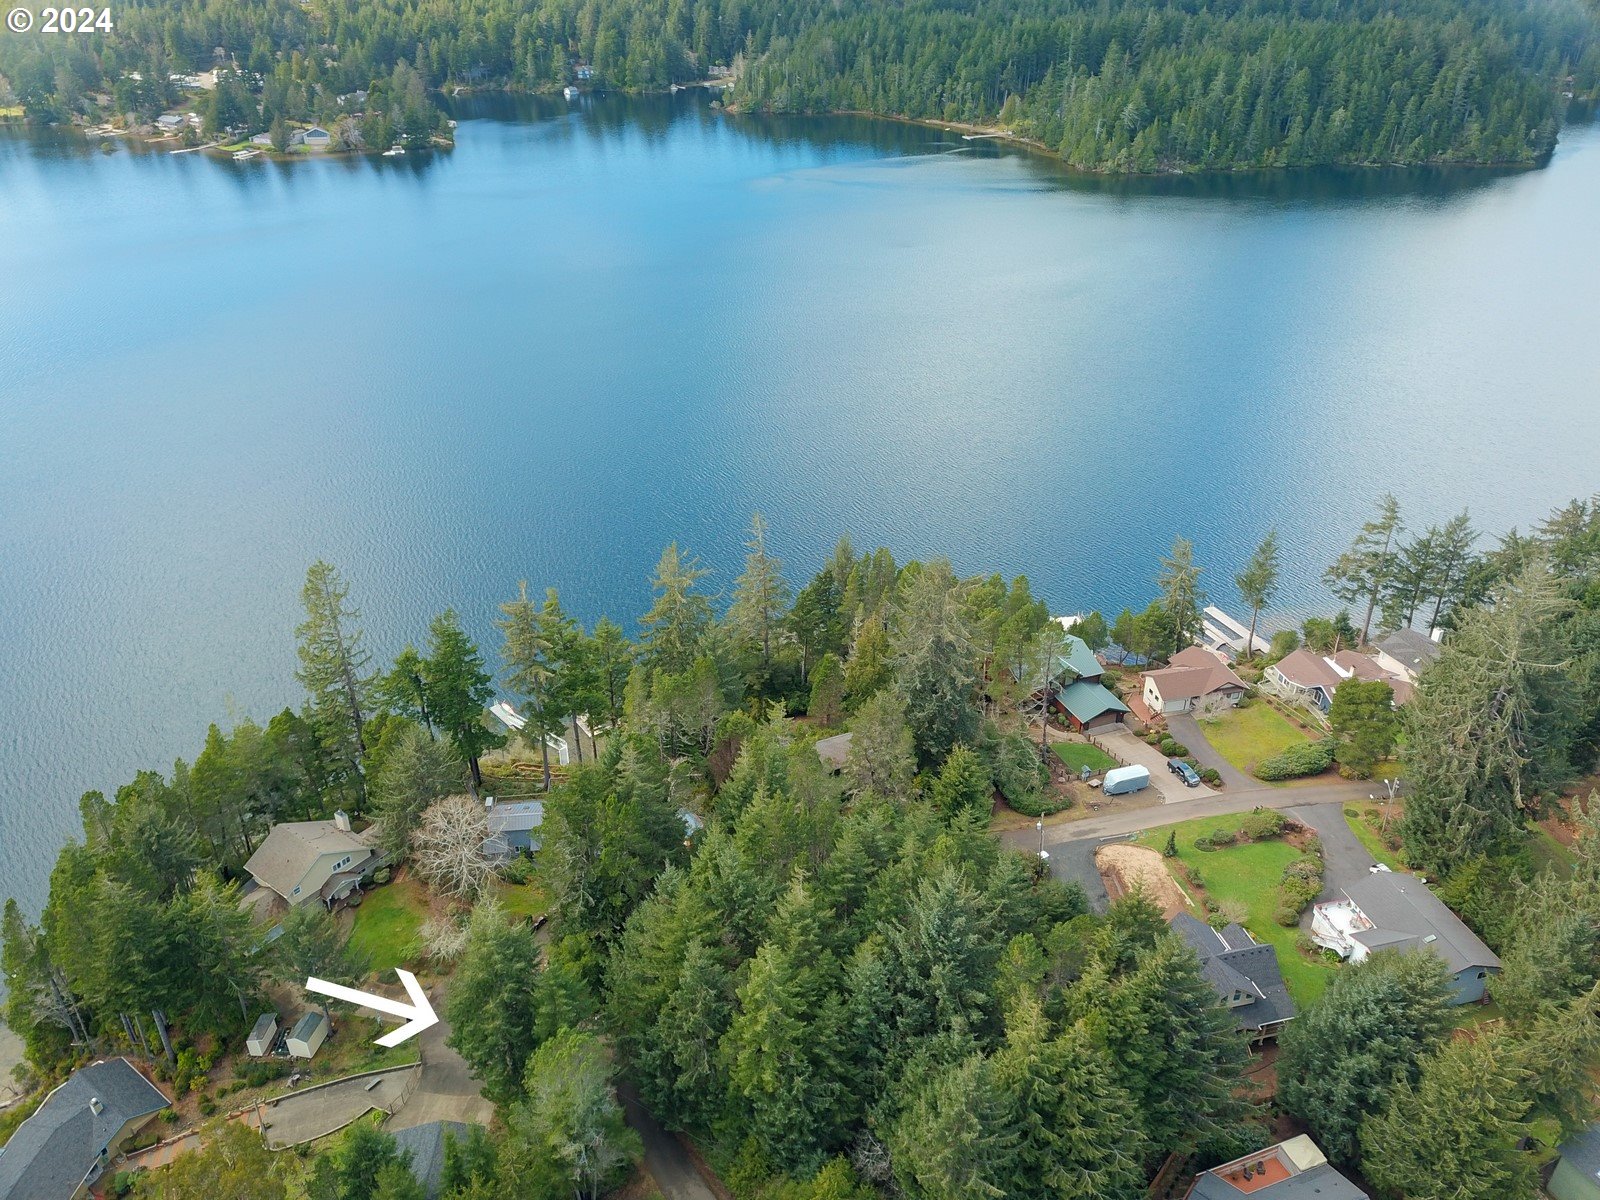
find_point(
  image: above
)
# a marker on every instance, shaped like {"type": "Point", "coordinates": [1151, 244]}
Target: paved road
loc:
{"type": "Point", "coordinates": [1344, 858]}
{"type": "Point", "coordinates": [1184, 728]}
{"type": "Point", "coordinates": [1072, 846]}
{"type": "Point", "coordinates": [447, 1091]}
{"type": "Point", "coordinates": [303, 1116]}
{"type": "Point", "coordinates": [670, 1165]}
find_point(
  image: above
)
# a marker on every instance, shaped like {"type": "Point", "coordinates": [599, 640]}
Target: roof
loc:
{"type": "Point", "coordinates": [426, 1146]}
{"type": "Point", "coordinates": [516, 817]}
{"type": "Point", "coordinates": [1291, 1170]}
{"type": "Point", "coordinates": [266, 1023]}
{"type": "Point", "coordinates": [1192, 673]}
{"type": "Point", "coordinates": [1086, 700]}
{"type": "Point", "coordinates": [1079, 659]}
{"type": "Point", "coordinates": [833, 750]}
{"type": "Point", "coordinates": [1406, 914]}
{"type": "Point", "coordinates": [292, 848]}
{"type": "Point", "coordinates": [306, 1026]}
{"type": "Point", "coordinates": [1364, 667]}
{"type": "Point", "coordinates": [1409, 648]}
{"type": "Point", "coordinates": [1582, 1152]}
{"type": "Point", "coordinates": [1233, 961]}
{"type": "Point", "coordinates": [53, 1151]}
{"type": "Point", "coordinates": [1308, 669]}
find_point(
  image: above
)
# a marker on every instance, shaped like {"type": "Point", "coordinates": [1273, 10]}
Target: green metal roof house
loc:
{"type": "Point", "coordinates": [1577, 1173]}
{"type": "Point", "coordinates": [1090, 705]}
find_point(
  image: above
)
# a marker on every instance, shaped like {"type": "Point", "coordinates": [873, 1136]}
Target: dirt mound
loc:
{"type": "Point", "coordinates": [1124, 868]}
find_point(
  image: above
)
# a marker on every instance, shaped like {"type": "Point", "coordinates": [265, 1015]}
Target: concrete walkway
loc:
{"type": "Point", "coordinates": [304, 1116]}
{"type": "Point", "coordinates": [1184, 728]}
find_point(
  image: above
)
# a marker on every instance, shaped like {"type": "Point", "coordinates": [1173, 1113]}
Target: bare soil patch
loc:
{"type": "Point", "coordinates": [1124, 868]}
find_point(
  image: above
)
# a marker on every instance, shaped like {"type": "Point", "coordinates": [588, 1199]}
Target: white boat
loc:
{"type": "Point", "coordinates": [246, 155]}
{"type": "Point", "coordinates": [571, 93]}
{"type": "Point", "coordinates": [393, 151]}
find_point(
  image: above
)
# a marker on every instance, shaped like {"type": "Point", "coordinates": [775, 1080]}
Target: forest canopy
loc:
{"type": "Point", "coordinates": [1131, 86]}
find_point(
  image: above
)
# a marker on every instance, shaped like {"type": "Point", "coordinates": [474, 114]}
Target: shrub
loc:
{"type": "Point", "coordinates": [1261, 824]}
{"type": "Point", "coordinates": [1224, 837]}
{"type": "Point", "coordinates": [1196, 878]}
{"type": "Point", "coordinates": [1352, 812]}
{"type": "Point", "coordinates": [1306, 758]}
{"type": "Point", "coordinates": [1179, 750]}
{"type": "Point", "coordinates": [518, 870]}
{"type": "Point", "coordinates": [1204, 843]}
{"type": "Point", "coordinates": [208, 1106]}
{"type": "Point", "coordinates": [255, 1074]}
{"type": "Point", "coordinates": [382, 875]}
{"type": "Point", "coordinates": [1211, 905]}
{"type": "Point", "coordinates": [1211, 775]}
{"type": "Point", "coordinates": [1286, 915]}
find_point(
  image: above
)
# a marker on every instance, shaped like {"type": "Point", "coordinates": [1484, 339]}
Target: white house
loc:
{"type": "Point", "coordinates": [1195, 680]}
{"type": "Point", "coordinates": [169, 122]}
{"type": "Point", "coordinates": [317, 138]}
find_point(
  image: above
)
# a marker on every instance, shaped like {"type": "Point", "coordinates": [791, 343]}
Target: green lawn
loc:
{"type": "Point", "coordinates": [1550, 854]}
{"type": "Point", "coordinates": [388, 925]}
{"type": "Point", "coordinates": [1368, 837]}
{"type": "Point", "coordinates": [522, 900]}
{"type": "Point", "coordinates": [1248, 876]}
{"type": "Point", "coordinates": [1078, 755]}
{"type": "Point", "coordinates": [1245, 736]}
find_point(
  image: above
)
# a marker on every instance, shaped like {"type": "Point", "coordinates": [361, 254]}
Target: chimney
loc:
{"type": "Point", "coordinates": [341, 820]}
{"type": "Point", "coordinates": [95, 1106]}
{"type": "Point", "coordinates": [488, 801]}
{"type": "Point", "coordinates": [1437, 633]}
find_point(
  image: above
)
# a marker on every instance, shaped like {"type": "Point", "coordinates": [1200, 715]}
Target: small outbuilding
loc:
{"type": "Point", "coordinates": [261, 1038]}
{"type": "Point", "coordinates": [307, 1036]}
{"type": "Point", "coordinates": [833, 751]}
{"type": "Point", "coordinates": [1577, 1172]}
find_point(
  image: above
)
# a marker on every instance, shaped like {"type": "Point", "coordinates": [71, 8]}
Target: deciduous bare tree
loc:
{"type": "Point", "coordinates": [448, 848]}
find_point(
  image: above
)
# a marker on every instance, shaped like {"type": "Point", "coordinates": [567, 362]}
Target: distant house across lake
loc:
{"type": "Point", "coordinates": [317, 138]}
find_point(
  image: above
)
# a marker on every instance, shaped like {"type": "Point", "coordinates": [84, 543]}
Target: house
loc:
{"type": "Point", "coordinates": [1292, 1170]}
{"type": "Point", "coordinates": [307, 1036]}
{"type": "Point", "coordinates": [513, 827]}
{"type": "Point", "coordinates": [1406, 652]}
{"type": "Point", "coordinates": [317, 138]}
{"type": "Point", "coordinates": [1577, 1172]}
{"type": "Point", "coordinates": [425, 1144]}
{"type": "Point", "coordinates": [262, 139]}
{"type": "Point", "coordinates": [1313, 678]}
{"type": "Point", "coordinates": [833, 751]}
{"type": "Point", "coordinates": [1391, 910]}
{"type": "Point", "coordinates": [1244, 973]}
{"type": "Point", "coordinates": [1076, 691]}
{"type": "Point", "coordinates": [1195, 680]}
{"type": "Point", "coordinates": [58, 1152]}
{"type": "Point", "coordinates": [323, 859]}
{"type": "Point", "coordinates": [170, 122]}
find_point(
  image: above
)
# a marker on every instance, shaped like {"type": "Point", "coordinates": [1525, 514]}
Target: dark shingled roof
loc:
{"type": "Point", "coordinates": [1232, 961]}
{"type": "Point", "coordinates": [426, 1144]}
{"type": "Point", "coordinates": [1406, 914]}
{"type": "Point", "coordinates": [1409, 648]}
{"type": "Point", "coordinates": [54, 1151]}
{"type": "Point", "coordinates": [1582, 1152]}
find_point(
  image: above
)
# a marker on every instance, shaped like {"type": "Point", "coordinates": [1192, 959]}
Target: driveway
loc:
{"type": "Point", "coordinates": [303, 1116]}
{"type": "Point", "coordinates": [1130, 749]}
{"type": "Point", "coordinates": [670, 1164]}
{"type": "Point", "coordinates": [1344, 858]}
{"type": "Point", "coordinates": [447, 1091]}
{"type": "Point", "coordinates": [1184, 728]}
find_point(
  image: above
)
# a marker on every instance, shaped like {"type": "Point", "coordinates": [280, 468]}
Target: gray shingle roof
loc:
{"type": "Point", "coordinates": [834, 750]}
{"type": "Point", "coordinates": [426, 1145]}
{"type": "Point", "coordinates": [1321, 1182]}
{"type": "Point", "coordinates": [293, 847]}
{"type": "Point", "coordinates": [1405, 913]}
{"type": "Point", "coordinates": [1408, 647]}
{"type": "Point", "coordinates": [1582, 1151]}
{"type": "Point", "coordinates": [54, 1151]}
{"type": "Point", "coordinates": [1232, 961]}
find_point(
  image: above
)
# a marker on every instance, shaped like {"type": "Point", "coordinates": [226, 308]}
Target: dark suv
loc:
{"type": "Point", "coordinates": [1184, 772]}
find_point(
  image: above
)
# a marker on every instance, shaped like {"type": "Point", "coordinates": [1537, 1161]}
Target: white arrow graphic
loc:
{"type": "Point", "coordinates": [419, 1013]}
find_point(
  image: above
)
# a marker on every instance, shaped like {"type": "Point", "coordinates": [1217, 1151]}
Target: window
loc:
{"type": "Point", "coordinates": [296, 892]}
{"type": "Point", "coordinates": [1483, 974]}
{"type": "Point", "coordinates": [342, 863]}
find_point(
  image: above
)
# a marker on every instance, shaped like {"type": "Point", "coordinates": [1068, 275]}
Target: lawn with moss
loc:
{"type": "Point", "coordinates": [1247, 735]}
{"type": "Point", "coordinates": [388, 925]}
{"type": "Point", "coordinates": [1078, 755]}
{"type": "Point", "coordinates": [1248, 876]}
{"type": "Point", "coordinates": [1369, 838]}
{"type": "Point", "coordinates": [526, 900]}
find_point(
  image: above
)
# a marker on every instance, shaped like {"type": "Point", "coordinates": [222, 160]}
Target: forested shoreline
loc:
{"type": "Point", "coordinates": [1136, 87]}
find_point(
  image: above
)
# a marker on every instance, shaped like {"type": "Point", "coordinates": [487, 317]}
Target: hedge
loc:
{"type": "Point", "coordinates": [1307, 758]}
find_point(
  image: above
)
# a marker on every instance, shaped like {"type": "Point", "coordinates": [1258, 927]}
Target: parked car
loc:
{"type": "Point", "coordinates": [1184, 772]}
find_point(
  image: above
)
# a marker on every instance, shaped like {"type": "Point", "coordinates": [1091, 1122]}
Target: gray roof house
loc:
{"type": "Point", "coordinates": [1577, 1172]}
{"type": "Point", "coordinates": [1291, 1170]}
{"type": "Point", "coordinates": [513, 827]}
{"type": "Point", "coordinates": [63, 1148]}
{"type": "Point", "coordinates": [1391, 910]}
{"type": "Point", "coordinates": [1405, 652]}
{"type": "Point", "coordinates": [324, 859]}
{"type": "Point", "coordinates": [426, 1145]}
{"type": "Point", "coordinates": [834, 750]}
{"type": "Point", "coordinates": [1244, 972]}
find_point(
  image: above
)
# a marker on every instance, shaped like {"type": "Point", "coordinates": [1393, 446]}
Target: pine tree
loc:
{"type": "Point", "coordinates": [529, 655]}
{"type": "Point", "coordinates": [494, 997]}
{"type": "Point", "coordinates": [458, 690]}
{"type": "Point", "coordinates": [964, 784]}
{"type": "Point", "coordinates": [1258, 583]}
{"type": "Point", "coordinates": [826, 706]}
{"type": "Point", "coordinates": [677, 622]}
{"type": "Point", "coordinates": [1362, 572]}
{"type": "Point", "coordinates": [935, 668]}
{"type": "Point", "coordinates": [880, 761]}
{"type": "Point", "coordinates": [760, 595]}
{"type": "Point", "coordinates": [415, 771]}
{"type": "Point", "coordinates": [1182, 598]}
{"type": "Point", "coordinates": [333, 668]}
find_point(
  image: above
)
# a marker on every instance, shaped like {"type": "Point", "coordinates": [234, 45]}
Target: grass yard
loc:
{"type": "Point", "coordinates": [388, 924]}
{"type": "Point", "coordinates": [1078, 755]}
{"type": "Point", "coordinates": [1245, 736]}
{"type": "Point", "coordinates": [528, 900]}
{"type": "Point", "coordinates": [1368, 837]}
{"type": "Point", "coordinates": [1549, 854]}
{"type": "Point", "coordinates": [1248, 876]}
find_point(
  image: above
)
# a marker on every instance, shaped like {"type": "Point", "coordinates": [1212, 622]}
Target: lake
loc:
{"type": "Point", "coordinates": [593, 328]}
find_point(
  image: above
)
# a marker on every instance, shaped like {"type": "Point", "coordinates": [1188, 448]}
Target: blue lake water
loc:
{"type": "Point", "coordinates": [591, 329]}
